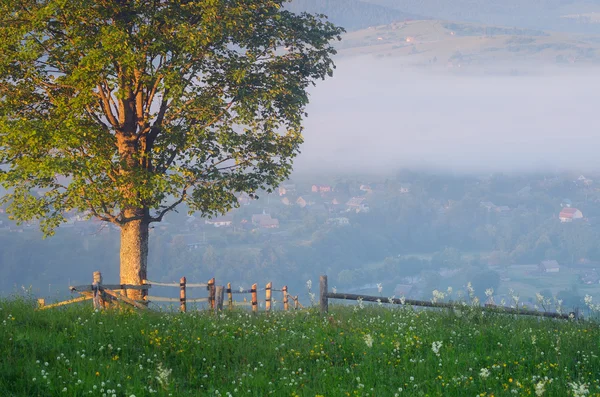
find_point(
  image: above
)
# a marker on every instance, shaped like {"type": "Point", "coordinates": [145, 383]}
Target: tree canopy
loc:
{"type": "Point", "coordinates": [126, 108]}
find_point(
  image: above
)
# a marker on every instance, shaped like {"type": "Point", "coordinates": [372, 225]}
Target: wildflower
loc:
{"type": "Point", "coordinates": [435, 346]}
{"type": "Point", "coordinates": [368, 340]}
{"type": "Point", "coordinates": [579, 389]}
{"type": "Point", "coordinates": [379, 302]}
{"type": "Point", "coordinates": [539, 388]}
{"type": "Point", "coordinates": [334, 290]}
{"type": "Point", "coordinates": [379, 287]}
{"type": "Point", "coordinates": [360, 302]}
{"type": "Point", "coordinates": [391, 299]}
{"type": "Point", "coordinates": [309, 284]}
{"type": "Point", "coordinates": [437, 295]}
{"type": "Point", "coordinates": [484, 373]}
{"type": "Point", "coordinates": [162, 375]}
{"type": "Point", "coordinates": [489, 292]}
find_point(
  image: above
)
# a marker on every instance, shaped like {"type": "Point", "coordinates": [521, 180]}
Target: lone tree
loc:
{"type": "Point", "coordinates": [123, 109]}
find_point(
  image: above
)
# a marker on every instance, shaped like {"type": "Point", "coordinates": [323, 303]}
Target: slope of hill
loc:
{"type": "Point", "coordinates": [352, 14]}
{"type": "Point", "coordinates": [543, 14]}
{"type": "Point", "coordinates": [455, 44]}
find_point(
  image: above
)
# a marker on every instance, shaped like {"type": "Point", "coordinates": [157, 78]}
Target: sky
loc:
{"type": "Point", "coordinates": [375, 116]}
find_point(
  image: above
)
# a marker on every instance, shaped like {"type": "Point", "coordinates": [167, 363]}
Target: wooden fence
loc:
{"type": "Point", "coordinates": [325, 295]}
{"type": "Point", "coordinates": [102, 295]}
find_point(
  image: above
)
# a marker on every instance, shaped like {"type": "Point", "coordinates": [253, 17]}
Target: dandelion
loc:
{"type": "Point", "coordinates": [368, 340]}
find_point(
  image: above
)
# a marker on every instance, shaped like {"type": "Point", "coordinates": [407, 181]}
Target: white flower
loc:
{"type": "Point", "coordinates": [489, 292]}
{"type": "Point", "coordinates": [368, 340]}
{"type": "Point", "coordinates": [484, 373]}
{"type": "Point", "coordinates": [360, 302]}
{"type": "Point", "coordinates": [539, 388]}
{"type": "Point", "coordinates": [162, 375]}
{"type": "Point", "coordinates": [435, 346]}
{"type": "Point", "coordinates": [309, 284]}
{"type": "Point", "coordinates": [579, 389]}
{"type": "Point", "coordinates": [379, 302]}
{"type": "Point", "coordinates": [334, 290]}
{"type": "Point", "coordinates": [379, 288]}
{"type": "Point", "coordinates": [437, 295]}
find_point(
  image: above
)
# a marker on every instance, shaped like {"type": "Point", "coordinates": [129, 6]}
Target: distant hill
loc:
{"type": "Point", "coordinates": [443, 44]}
{"type": "Point", "coordinates": [352, 14]}
{"type": "Point", "coordinates": [558, 15]}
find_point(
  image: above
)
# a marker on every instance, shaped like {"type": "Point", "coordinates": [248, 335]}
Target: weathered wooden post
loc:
{"type": "Point", "coordinates": [324, 302]}
{"type": "Point", "coordinates": [182, 299]}
{"type": "Point", "coordinates": [98, 296]}
{"type": "Point", "coordinates": [285, 298]}
{"type": "Point", "coordinates": [220, 294]}
{"type": "Point", "coordinates": [254, 298]}
{"type": "Point", "coordinates": [229, 296]}
{"type": "Point", "coordinates": [268, 296]}
{"type": "Point", "coordinates": [41, 303]}
{"type": "Point", "coordinates": [211, 293]}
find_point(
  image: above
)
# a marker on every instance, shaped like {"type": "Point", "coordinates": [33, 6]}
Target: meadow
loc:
{"type": "Point", "coordinates": [352, 351]}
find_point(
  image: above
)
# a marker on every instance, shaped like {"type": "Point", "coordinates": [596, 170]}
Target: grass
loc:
{"type": "Point", "coordinates": [373, 351]}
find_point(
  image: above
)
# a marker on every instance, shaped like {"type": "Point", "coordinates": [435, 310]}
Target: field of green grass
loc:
{"type": "Point", "coordinates": [352, 351]}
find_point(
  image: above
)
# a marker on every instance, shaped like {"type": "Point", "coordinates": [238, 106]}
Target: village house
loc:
{"type": "Point", "coordinates": [549, 266]}
{"type": "Point", "coordinates": [286, 189]}
{"type": "Point", "coordinates": [590, 277]}
{"type": "Point", "coordinates": [357, 204]}
{"type": "Point", "coordinates": [321, 188]}
{"type": "Point", "coordinates": [488, 205]}
{"type": "Point", "coordinates": [405, 188]}
{"type": "Point", "coordinates": [341, 221]}
{"type": "Point", "coordinates": [300, 202]}
{"type": "Point", "coordinates": [265, 221]}
{"type": "Point", "coordinates": [568, 214]}
{"type": "Point", "coordinates": [221, 221]}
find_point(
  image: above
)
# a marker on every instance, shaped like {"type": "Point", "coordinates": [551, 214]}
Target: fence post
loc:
{"type": "Point", "coordinates": [324, 303]}
{"type": "Point", "coordinates": [182, 299]}
{"type": "Point", "coordinates": [268, 296]}
{"type": "Point", "coordinates": [211, 293]}
{"type": "Point", "coordinates": [254, 298]}
{"type": "Point", "coordinates": [285, 298]}
{"type": "Point", "coordinates": [220, 292]}
{"type": "Point", "coordinates": [229, 296]}
{"type": "Point", "coordinates": [98, 296]}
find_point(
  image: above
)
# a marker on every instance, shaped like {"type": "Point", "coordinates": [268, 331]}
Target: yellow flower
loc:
{"type": "Point", "coordinates": [97, 373]}
{"type": "Point", "coordinates": [510, 380]}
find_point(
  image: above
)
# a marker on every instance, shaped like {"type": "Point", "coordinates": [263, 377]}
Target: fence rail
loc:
{"type": "Point", "coordinates": [325, 295]}
{"type": "Point", "coordinates": [103, 294]}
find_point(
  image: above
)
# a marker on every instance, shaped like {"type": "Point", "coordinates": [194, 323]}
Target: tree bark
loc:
{"type": "Point", "coordinates": [134, 254]}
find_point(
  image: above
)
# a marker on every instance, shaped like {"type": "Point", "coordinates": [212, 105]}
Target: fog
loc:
{"type": "Point", "coordinates": [372, 116]}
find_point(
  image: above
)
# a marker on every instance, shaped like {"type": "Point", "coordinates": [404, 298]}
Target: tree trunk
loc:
{"type": "Point", "coordinates": [134, 255]}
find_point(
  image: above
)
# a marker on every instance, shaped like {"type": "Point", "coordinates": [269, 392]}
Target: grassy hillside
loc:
{"type": "Point", "coordinates": [455, 43]}
{"type": "Point", "coordinates": [363, 352]}
{"type": "Point", "coordinates": [352, 14]}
